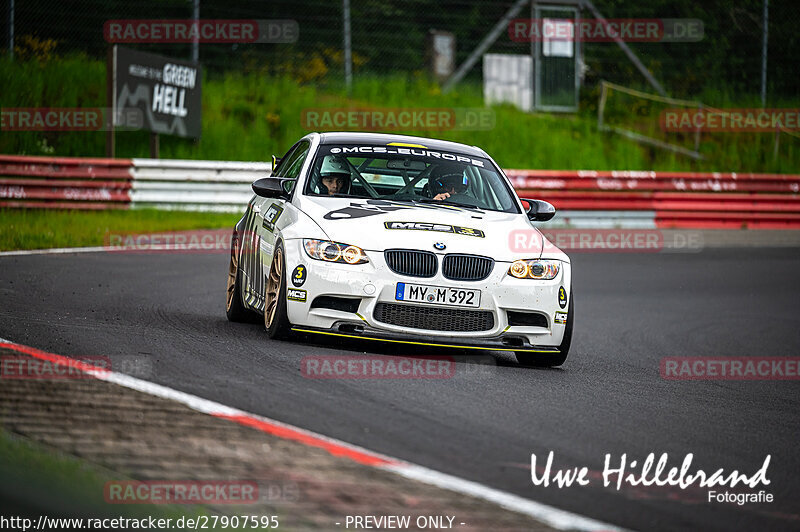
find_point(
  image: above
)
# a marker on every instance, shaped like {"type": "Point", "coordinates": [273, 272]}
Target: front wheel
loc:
{"type": "Point", "coordinates": [545, 360]}
{"type": "Point", "coordinates": [276, 319]}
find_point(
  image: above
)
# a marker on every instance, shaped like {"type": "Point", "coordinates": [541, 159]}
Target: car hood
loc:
{"type": "Point", "coordinates": [377, 225]}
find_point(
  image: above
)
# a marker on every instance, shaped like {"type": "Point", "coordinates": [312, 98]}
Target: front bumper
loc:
{"type": "Point", "coordinates": [505, 342]}
{"type": "Point", "coordinates": [374, 283]}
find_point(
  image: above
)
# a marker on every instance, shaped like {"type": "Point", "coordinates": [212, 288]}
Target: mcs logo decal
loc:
{"type": "Point", "coordinates": [294, 294]}
{"type": "Point", "coordinates": [440, 228]}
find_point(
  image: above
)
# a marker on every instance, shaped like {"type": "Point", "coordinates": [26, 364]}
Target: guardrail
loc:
{"type": "Point", "coordinates": [64, 182]}
{"type": "Point", "coordinates": [666, 199]}
{"type": "Point", "coordinates": [195, 185]}
{"type": "Point", "coordinates": [83, 183]}
{"type": "Point", "coordinates": [583, 198]}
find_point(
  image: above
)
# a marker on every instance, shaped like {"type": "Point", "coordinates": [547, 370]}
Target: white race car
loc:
{"type": "Point", "coordinates": [400, 239]}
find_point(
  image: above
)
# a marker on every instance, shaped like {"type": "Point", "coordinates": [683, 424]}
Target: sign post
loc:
{"type": "Point", "coordinates": [154, 145]}
{"type": "Point", "coordinates": [110, 95]}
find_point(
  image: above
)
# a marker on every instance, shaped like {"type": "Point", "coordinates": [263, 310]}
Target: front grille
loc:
{"type": "Point", "coordinates": [434, 318]}
{"type": "Point", "coordinates": [466, 267]}
{"type": "Point", "coordinates": [411, 262]}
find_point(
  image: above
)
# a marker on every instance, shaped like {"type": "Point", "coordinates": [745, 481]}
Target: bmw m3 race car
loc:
{"type": "Point", "coordinates": [400, 239]}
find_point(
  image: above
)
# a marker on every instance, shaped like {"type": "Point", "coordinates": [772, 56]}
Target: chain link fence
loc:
{"type": "Point", "coordinates": [726, 61]}
{"type": "Point", "coordinates": [391, 37]}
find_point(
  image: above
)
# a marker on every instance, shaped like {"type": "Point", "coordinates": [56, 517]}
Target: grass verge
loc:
{"type": "Point", "coordinates": [40, 229]}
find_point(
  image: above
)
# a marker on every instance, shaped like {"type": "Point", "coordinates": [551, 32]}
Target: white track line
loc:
{"type": "Point", "coordinates": [53, 251]}
{"type": "Point", "coordinates": [559, 519]}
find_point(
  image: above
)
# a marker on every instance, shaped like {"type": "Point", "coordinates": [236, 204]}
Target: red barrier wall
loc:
{"type": "Point", "coordinates": [65, 182]}
{"type": "Point", "coordinates": [678, 199]}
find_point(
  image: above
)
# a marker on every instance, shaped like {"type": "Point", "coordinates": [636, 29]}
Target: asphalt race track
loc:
{"type": "Point", "coordinates": [483, 424]}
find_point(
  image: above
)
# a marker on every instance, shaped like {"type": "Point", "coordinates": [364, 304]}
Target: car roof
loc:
{"type": "Point", "coordinates": [346, 137]}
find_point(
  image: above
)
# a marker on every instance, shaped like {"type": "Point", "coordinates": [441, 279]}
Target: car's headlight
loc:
{"type": "Point", "coordinates": [535, 269]}
{"type": "Point", "coordinates": [334, 252]}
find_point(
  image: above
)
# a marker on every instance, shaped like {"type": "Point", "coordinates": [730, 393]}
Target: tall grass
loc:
{"type": "Point", "coordinates": [250, 117]}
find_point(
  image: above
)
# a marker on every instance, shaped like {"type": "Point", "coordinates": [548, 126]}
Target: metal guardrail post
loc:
{"type": "Point", "coordinates": [11, 30]}
{"type": "Point", "coordinates": [196, 38]}
{"type": "Point", "coordinates": [764, 55]}
{"type": "Point", "coordinates": [348, 52]}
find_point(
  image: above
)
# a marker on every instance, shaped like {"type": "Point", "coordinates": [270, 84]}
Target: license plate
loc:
{"type": "Point", "coordinates": [438, 295]}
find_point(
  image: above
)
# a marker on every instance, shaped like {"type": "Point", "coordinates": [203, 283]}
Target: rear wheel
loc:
{"type": "Point", "coordinates": [276, 319]}
{"type": "Point", "coordinates": [545, 360]}
{"type": "Point", "coordinates": [234, 306]}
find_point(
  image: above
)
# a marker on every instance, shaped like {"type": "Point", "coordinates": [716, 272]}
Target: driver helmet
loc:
{"type": "Point", "coordinates": [447, 177]}
{"type": "Point", "coordinates": [335, 166]}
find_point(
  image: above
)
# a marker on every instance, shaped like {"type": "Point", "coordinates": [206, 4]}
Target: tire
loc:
{"type": "Point", "coordinates": [543, 360]}
{"type": "Point", "coordinates": [234, 305]}
{"type": "Point", "coordinates": [276, 319]}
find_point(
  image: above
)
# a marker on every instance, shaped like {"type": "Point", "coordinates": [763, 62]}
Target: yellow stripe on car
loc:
{"type": "Point", "coordinates": [405, 145]}
{"type": "Point", "coordinates": [456, 346]}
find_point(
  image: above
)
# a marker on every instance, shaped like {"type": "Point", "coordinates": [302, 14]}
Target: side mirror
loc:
{"type": "Point", "coordinates": [269, 187]}
{"type": "Point", "coordinates": [539, 210]}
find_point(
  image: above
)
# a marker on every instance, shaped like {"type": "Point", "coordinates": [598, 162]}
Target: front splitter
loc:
{"type": "Point", "coordinates": [487, 344]}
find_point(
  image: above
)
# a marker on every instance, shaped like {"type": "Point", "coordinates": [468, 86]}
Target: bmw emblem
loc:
{"type": "Point", "coordinates": [439, 245]}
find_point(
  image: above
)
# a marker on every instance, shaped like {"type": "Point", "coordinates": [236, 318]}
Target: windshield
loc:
{"type": "Point", "coordinates": [409, 174]}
